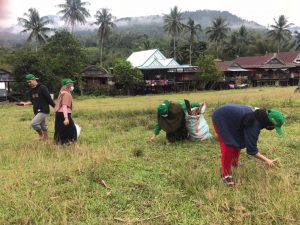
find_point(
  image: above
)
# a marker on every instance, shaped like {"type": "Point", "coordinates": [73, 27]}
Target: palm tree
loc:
{"type": "Point", "coordinates": [192, 28]}
{"type": "Point", "coordinates": [173, 25]}
{"type": "Point", "coordinates": [280, 31]}
{"type": "Point", "coordinates": [104, 21]}
{"type": "Point", "coordinates": [36, 26]}
{"type": "Point", "coordinates": [297, 40]}
{"type": "Point", "coordinates": [218, 32]}
{"type": "Point", "coordinates": [73, 11]}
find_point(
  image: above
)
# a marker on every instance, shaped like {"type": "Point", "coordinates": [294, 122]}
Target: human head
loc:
{"type": "Point", "coordinates": [277, 118]}
{"type": "Point", "coordinates": [162, 109]}
{"type": "Point", "coordinates": [31, 80]}
{"type": "Point", "coordinates": [68, 82]}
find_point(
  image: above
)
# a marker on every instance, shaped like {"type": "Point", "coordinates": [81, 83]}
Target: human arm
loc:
{"type": "Point", "coordinates": [47, 96]}
{"type": "Point", "coordinates": [65, 112]}
{"type": "Point", "coordinates": [194, 104]}
{"type": "Point", "coordinates": [24, 103]}
{"type": "Point", "coordinates": [155, 132]}
{"type": "Point", "coordinates": [251, 135]}
{"type": "Point", "coordinates": [269, 162]}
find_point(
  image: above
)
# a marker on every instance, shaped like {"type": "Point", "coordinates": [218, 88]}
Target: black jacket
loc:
{"type": "Point", "coordinates": [41, 99]}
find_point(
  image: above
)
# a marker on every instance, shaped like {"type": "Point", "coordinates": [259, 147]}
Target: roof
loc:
{"type": "Point", "coordinates": [230, 66]}
{"type": "Point", "coordinates": [94, 71]}
{"type": "Point", "coordinates": [152, 59]}
{"type": "Point", "coordinates": [253, 61]}
{"type": "Point", "coordinates": [269, 60]}
{"type": "Point", "coordinates": [138, 59]}
{"type": "Point", "coordinates": [6, 76]}
{"type": "Point", "coordinates": [289, 57]}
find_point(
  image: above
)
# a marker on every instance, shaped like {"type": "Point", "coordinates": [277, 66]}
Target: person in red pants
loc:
{"type": "Point", "coordinates": [237, 127]}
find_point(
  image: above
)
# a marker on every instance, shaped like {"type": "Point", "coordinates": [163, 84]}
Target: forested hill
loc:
{"type": "Point", "coordinates": [203, 17]}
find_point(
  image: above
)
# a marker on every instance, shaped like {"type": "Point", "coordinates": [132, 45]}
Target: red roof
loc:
{"type": "Point", "coordinates": [223, 65]}
{"type": "Point", "coordinates": [288, 57]}
{"type": "Point", "coordinates": [257, 61]}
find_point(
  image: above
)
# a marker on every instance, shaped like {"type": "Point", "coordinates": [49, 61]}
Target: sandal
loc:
{"type": "Point", "coordinates": [228, 180]}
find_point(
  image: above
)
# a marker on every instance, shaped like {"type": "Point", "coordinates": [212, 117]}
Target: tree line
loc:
{"type": "Point", "coordinates": [185, 45]}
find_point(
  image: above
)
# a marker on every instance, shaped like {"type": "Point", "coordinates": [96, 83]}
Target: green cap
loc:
{"type": "Point", "coordinates": [67, 81]}
{"type": "Point", "coordinates": [277, 118]}
{"type": "Point", "coordinates": [30, 77]}
{"type": "Point", "coordinates": [162, 109]}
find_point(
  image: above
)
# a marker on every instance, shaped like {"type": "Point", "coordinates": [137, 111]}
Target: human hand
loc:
{"type": "Point", "coordinates": [271, 163]}
{"type": "Point", "coordinates": [66, 121]}
{"type": "Point", "coordinates": [21, 103]}
{"type": "Point", "coordinates": [152, 139]}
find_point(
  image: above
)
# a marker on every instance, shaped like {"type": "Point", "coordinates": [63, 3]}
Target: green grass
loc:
{"type": "Point", "coordinates": [114, 175]}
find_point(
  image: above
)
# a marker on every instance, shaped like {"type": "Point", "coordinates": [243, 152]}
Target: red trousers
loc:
{"type": "Point", "coordinates": [229, 155]}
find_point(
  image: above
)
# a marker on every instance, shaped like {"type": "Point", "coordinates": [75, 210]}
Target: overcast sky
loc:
{"type": "Point", "coordinates": [260, 11]}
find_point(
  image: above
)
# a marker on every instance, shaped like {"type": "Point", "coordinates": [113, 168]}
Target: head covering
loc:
{"type": "Point", "coordinates": [67, 81]}
{"type": "Point", "coordinates": [261, 115]}
{"type": "Point", "coordinates": [162, 109]}
{"type": "Point", "coordinates": [30, 76]}
{"type": "Point", "coordinates": [277, 118]}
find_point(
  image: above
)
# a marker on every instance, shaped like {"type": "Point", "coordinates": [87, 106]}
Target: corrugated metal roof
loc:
{"type": "Point", "coordinates": [152, 59]}
{"type": "Point", "coordinates": [140, 58]}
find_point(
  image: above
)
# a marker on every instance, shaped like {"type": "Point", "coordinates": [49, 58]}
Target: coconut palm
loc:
{"type": "Point", "coordinates": [104, 21]}
{"type": "Point", "coordinates": [280, 31]}
{"type": "Point", "coordinates": [218, 32]}
{"type": "Point", "coordinates": [297, 40]}
{"type": "Point", "coordinates": [173, 25]}
{"type": "Point", "coordinates": [192, 29]}
{"type": "Point", "coordinates": [73, 11]}
{"type": "Point", "coordinates": [36, 26]}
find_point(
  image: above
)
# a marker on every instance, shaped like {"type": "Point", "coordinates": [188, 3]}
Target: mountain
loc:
{"type": "Point", "coordinates": [154, 23]}
{"type": "Point", "coordinates": [294, 29]}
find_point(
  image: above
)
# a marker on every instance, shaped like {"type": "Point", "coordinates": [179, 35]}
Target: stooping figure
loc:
{"type": "Point", "coordinates": [239, 126]}
{"type": "Point", "coordinates": [171, 119]}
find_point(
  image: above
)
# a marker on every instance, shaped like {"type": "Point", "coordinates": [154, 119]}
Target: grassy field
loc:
{"type": "Point", "coordinates": [114, 175]}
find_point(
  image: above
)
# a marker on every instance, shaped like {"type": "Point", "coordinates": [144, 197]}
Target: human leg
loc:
{"type": "Point", "coordinates": [38, 124]}
{"type": "Point", "coordinates": [227, 157]}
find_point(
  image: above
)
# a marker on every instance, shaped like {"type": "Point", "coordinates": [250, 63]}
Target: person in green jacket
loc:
{"type": "Point", "coordinates": [171, 119]}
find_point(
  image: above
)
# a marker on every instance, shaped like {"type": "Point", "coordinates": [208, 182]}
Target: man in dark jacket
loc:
{"type": "Point", "coordinates": [237, 127]}
{"type": "Point", "coordinates": [40, 99]}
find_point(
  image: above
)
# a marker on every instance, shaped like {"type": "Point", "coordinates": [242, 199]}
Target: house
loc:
{"type": "Point", "coordinates": [162, 73]}
{"type": "Point", "coordinates": [94, 77]}
{"type": "Point", "coordinates": [5, 80]}
{"type": "Point", "coordinates": [281, 68]}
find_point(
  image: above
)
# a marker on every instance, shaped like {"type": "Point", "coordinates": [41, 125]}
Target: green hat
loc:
{"type": "Point", "coordinates": [277, 118]}
{"type": "Point", "coordinates": [67, 81]}
{"type": "Point", "coordinates": [30, 77]}
{"type": "Point", "coordinates": [162, 109]}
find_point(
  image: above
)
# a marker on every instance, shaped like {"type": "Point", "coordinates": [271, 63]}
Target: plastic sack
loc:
{"type": "Point", "coordinates": [196, 124]}
{"type": "Point", "coordinates": [78, 130]}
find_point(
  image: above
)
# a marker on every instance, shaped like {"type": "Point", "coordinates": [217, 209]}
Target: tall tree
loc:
{"type": "Point", "coordinates": [244, 39]}
{"type": "Point", "coordinates": [74, 11]}
{"type": "Point", "coordinates": [173, 25]}
{"type": "Point", "coordinates": [192, 29]}
{"type": "Point", "coordinates": [280, 31]}
{"type": "Point", "coordinates": [36, 25]}
{"type": "Point", "coordinates": [218, 32]}
{"type": "Point", "coordinates": [208, 70]}
{"type": "Point", "coordinates": [127, 76]}
{"type": "Point", "coordinates": [296, 42]}
{"type": "Point", "coordinates": [104, 21]}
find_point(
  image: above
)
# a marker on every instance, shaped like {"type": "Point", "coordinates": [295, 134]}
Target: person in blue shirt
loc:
{"type": "Point", "coordinates": [237, 127]}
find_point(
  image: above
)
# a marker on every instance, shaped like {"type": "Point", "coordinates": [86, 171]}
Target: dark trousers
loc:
{"type": "Point", "coordinates": [178, 135]}
{"type": "Point", "coordinates": [64, 134]}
